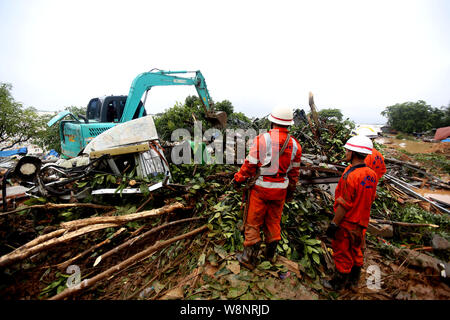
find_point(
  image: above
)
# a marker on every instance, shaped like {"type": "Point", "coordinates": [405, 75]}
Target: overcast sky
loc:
{"type": "Point", "coordinates": [358, 56]}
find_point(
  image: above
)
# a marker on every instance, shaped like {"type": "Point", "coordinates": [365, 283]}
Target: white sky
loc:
{"type": "Point", "coordinates": [358, 56]}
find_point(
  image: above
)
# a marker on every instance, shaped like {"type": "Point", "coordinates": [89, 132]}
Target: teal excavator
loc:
{"type": "Point", "coordinates": [105, 113]}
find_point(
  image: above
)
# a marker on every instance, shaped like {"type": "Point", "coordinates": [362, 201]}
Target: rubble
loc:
{"type": "Point", "coordinates": [165, 231]}
{"type": "Point", "coordinates": [439, 243]}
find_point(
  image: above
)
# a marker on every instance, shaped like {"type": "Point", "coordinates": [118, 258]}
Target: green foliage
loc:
{"type": "Point", "coordinates": [301, 220]}
{"type": "Point", "coordinates": [182, 116]}
{"type": "Point", "coordinates": [435, 162]}
{"type": "Point", "coordinates": [331, 114]}
{"type": "Point", "coordinates": [17, 124]}
{"type": "Point", "coordinates": [417, 116]}
{"type": "Point", "coordinates": [333, 135]}
{"type": "Point", "coordinates": [57, 286]}
{"type": "Point", "coordinates": [386, 206]}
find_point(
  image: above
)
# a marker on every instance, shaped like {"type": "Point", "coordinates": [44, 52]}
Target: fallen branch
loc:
{"type": "Point", "coordinates": [177, 261]}
{"type": "Point", "coordinates": [52, 206]}
{"type": "Point", "coordinates": [122, 219]}
{"type": "Point", "coordinates": [29, 251]}
{"type": "Point", "coordinates": [40, 239]}
{"type": "Point", "coordinates": [418, 169]}
{"type": "Point", "coordinates": [220, 175]}
{"type": "Point", "coordinates": [404, 224]}
{"type": "Point", "coordinates": [145, 203]}
{"type": "Point", "coordinates": [64, 265]}
{"type": "Point", "coordinates": [130, 242]}
{"type": "Point", "coordinates": [423, 249]}
{"type": "Point", "coordinates": [418, 259]}
{"type": "Point", "coordinates": [386, 159]}
{"type": "Point", "coordinates": [124, 264]}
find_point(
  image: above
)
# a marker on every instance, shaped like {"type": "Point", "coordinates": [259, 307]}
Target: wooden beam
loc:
{"type": "Point", "coordinates": [120, 150]}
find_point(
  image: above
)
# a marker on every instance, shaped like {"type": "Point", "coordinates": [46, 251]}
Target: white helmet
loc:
{"type": "Point", "coordinates": [368, 132]}
{"type": "Point", "coordinates": [282, 115]}
{"type": "Point", "coordinates": [360, 144]}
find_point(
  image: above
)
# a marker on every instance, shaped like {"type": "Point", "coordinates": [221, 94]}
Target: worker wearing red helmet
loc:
{"type": "Point", "coordinates": [353, 198]}
{"type": "Point", "coordinates": [274, 160]}
{"type": "Point", "coordinates": [375, 160]}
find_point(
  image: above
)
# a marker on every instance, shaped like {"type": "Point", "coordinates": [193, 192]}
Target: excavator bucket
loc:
{"type": "Point", "coordinates": [218, 118]}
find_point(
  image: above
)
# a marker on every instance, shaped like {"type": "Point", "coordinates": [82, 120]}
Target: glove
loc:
{"type": "Point", "coordinates": [290, 192]}
{"type": "Point", "coordinates": [331, 231]}
{"type": "Point", "coordinates": [290, 195]}
{"type": "Point", "coordinates": [236, 184]}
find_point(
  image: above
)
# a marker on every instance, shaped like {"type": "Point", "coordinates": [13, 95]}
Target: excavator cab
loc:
{"type": "Point", "coordinates": [109, 109]}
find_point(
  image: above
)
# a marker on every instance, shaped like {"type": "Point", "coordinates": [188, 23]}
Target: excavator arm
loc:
{"type": "Point", "coordinates": [145, 81]}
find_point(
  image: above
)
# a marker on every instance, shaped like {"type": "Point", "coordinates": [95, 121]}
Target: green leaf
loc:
{"type": "Point", "coordinates": [316, 258]}
{"type": "Point", "coordinates": [81, 184]}
{"type": "Point", "coordinates": [265, 265]}
{"type": "Point", "coordinates": [312, 242]}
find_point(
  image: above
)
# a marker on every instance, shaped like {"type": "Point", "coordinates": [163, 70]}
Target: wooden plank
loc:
{"type": "Point", "coordinates": [120, 150]}
{"type": "Point", "coordinates": [324, 180]}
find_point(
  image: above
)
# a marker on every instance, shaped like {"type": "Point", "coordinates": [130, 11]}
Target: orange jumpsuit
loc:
{"type": "Point", "coordinates": [355, 192]}
{"type": "Point", "coordinates": [375, 161]}
{"type": "Point", "coordinates": [268, 194]}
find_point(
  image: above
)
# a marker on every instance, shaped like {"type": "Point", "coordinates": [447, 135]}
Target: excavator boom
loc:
{"type": "Point", "coordinates": [145, 81]}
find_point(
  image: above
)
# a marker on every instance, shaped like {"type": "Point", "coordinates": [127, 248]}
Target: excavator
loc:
{"type": "Point", "coordinates": [105, 113]}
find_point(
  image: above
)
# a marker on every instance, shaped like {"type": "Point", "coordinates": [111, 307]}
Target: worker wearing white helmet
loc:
{"type": "Point", "coordinates": [282, 115]}
{"type": "Point", "coordinates": [353, 198]}
{"type": "Point", "coordinates": [375, 160]}
{"type": "Point", "coordinates": [272, 170]}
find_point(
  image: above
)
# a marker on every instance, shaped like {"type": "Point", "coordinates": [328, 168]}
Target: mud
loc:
{"type": "Point", "coordinates": [413, 146]}
{"type": "Point", "coordinates": [439, 194]}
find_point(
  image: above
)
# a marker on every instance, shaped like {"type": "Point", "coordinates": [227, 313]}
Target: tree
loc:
{"type": "Point", "coordinates": [182, 116]}
{"type": "Point", "coordinates": [441, 117]}
{"type": "Point", "coordinates": [17, 124]}
{"type": "Point", "coordinates": [331, 114]}
{"type": "Point", "coordinates": [417, 116]}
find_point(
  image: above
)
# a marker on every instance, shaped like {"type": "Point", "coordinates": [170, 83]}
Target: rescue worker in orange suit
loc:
{"type": "Point", "coordinates": [353, 198]}
{"type": "Point", "coordinates": [374, 161]}
{"type": "Point", "coordinates": [279, 173]}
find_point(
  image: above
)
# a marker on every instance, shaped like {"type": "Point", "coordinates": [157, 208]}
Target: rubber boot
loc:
{"type": "Point", "coordinates": [248, 256]}
{"type": "Point", "coordinates": [353, 278]}
{"type": "Point", "coordinates": [337, 283]}
{"type": "Point", "coordinates": [271, 249]}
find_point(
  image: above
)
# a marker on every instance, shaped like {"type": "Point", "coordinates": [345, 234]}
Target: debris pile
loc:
{"type": "Point", "coordinates": [123, 222]}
